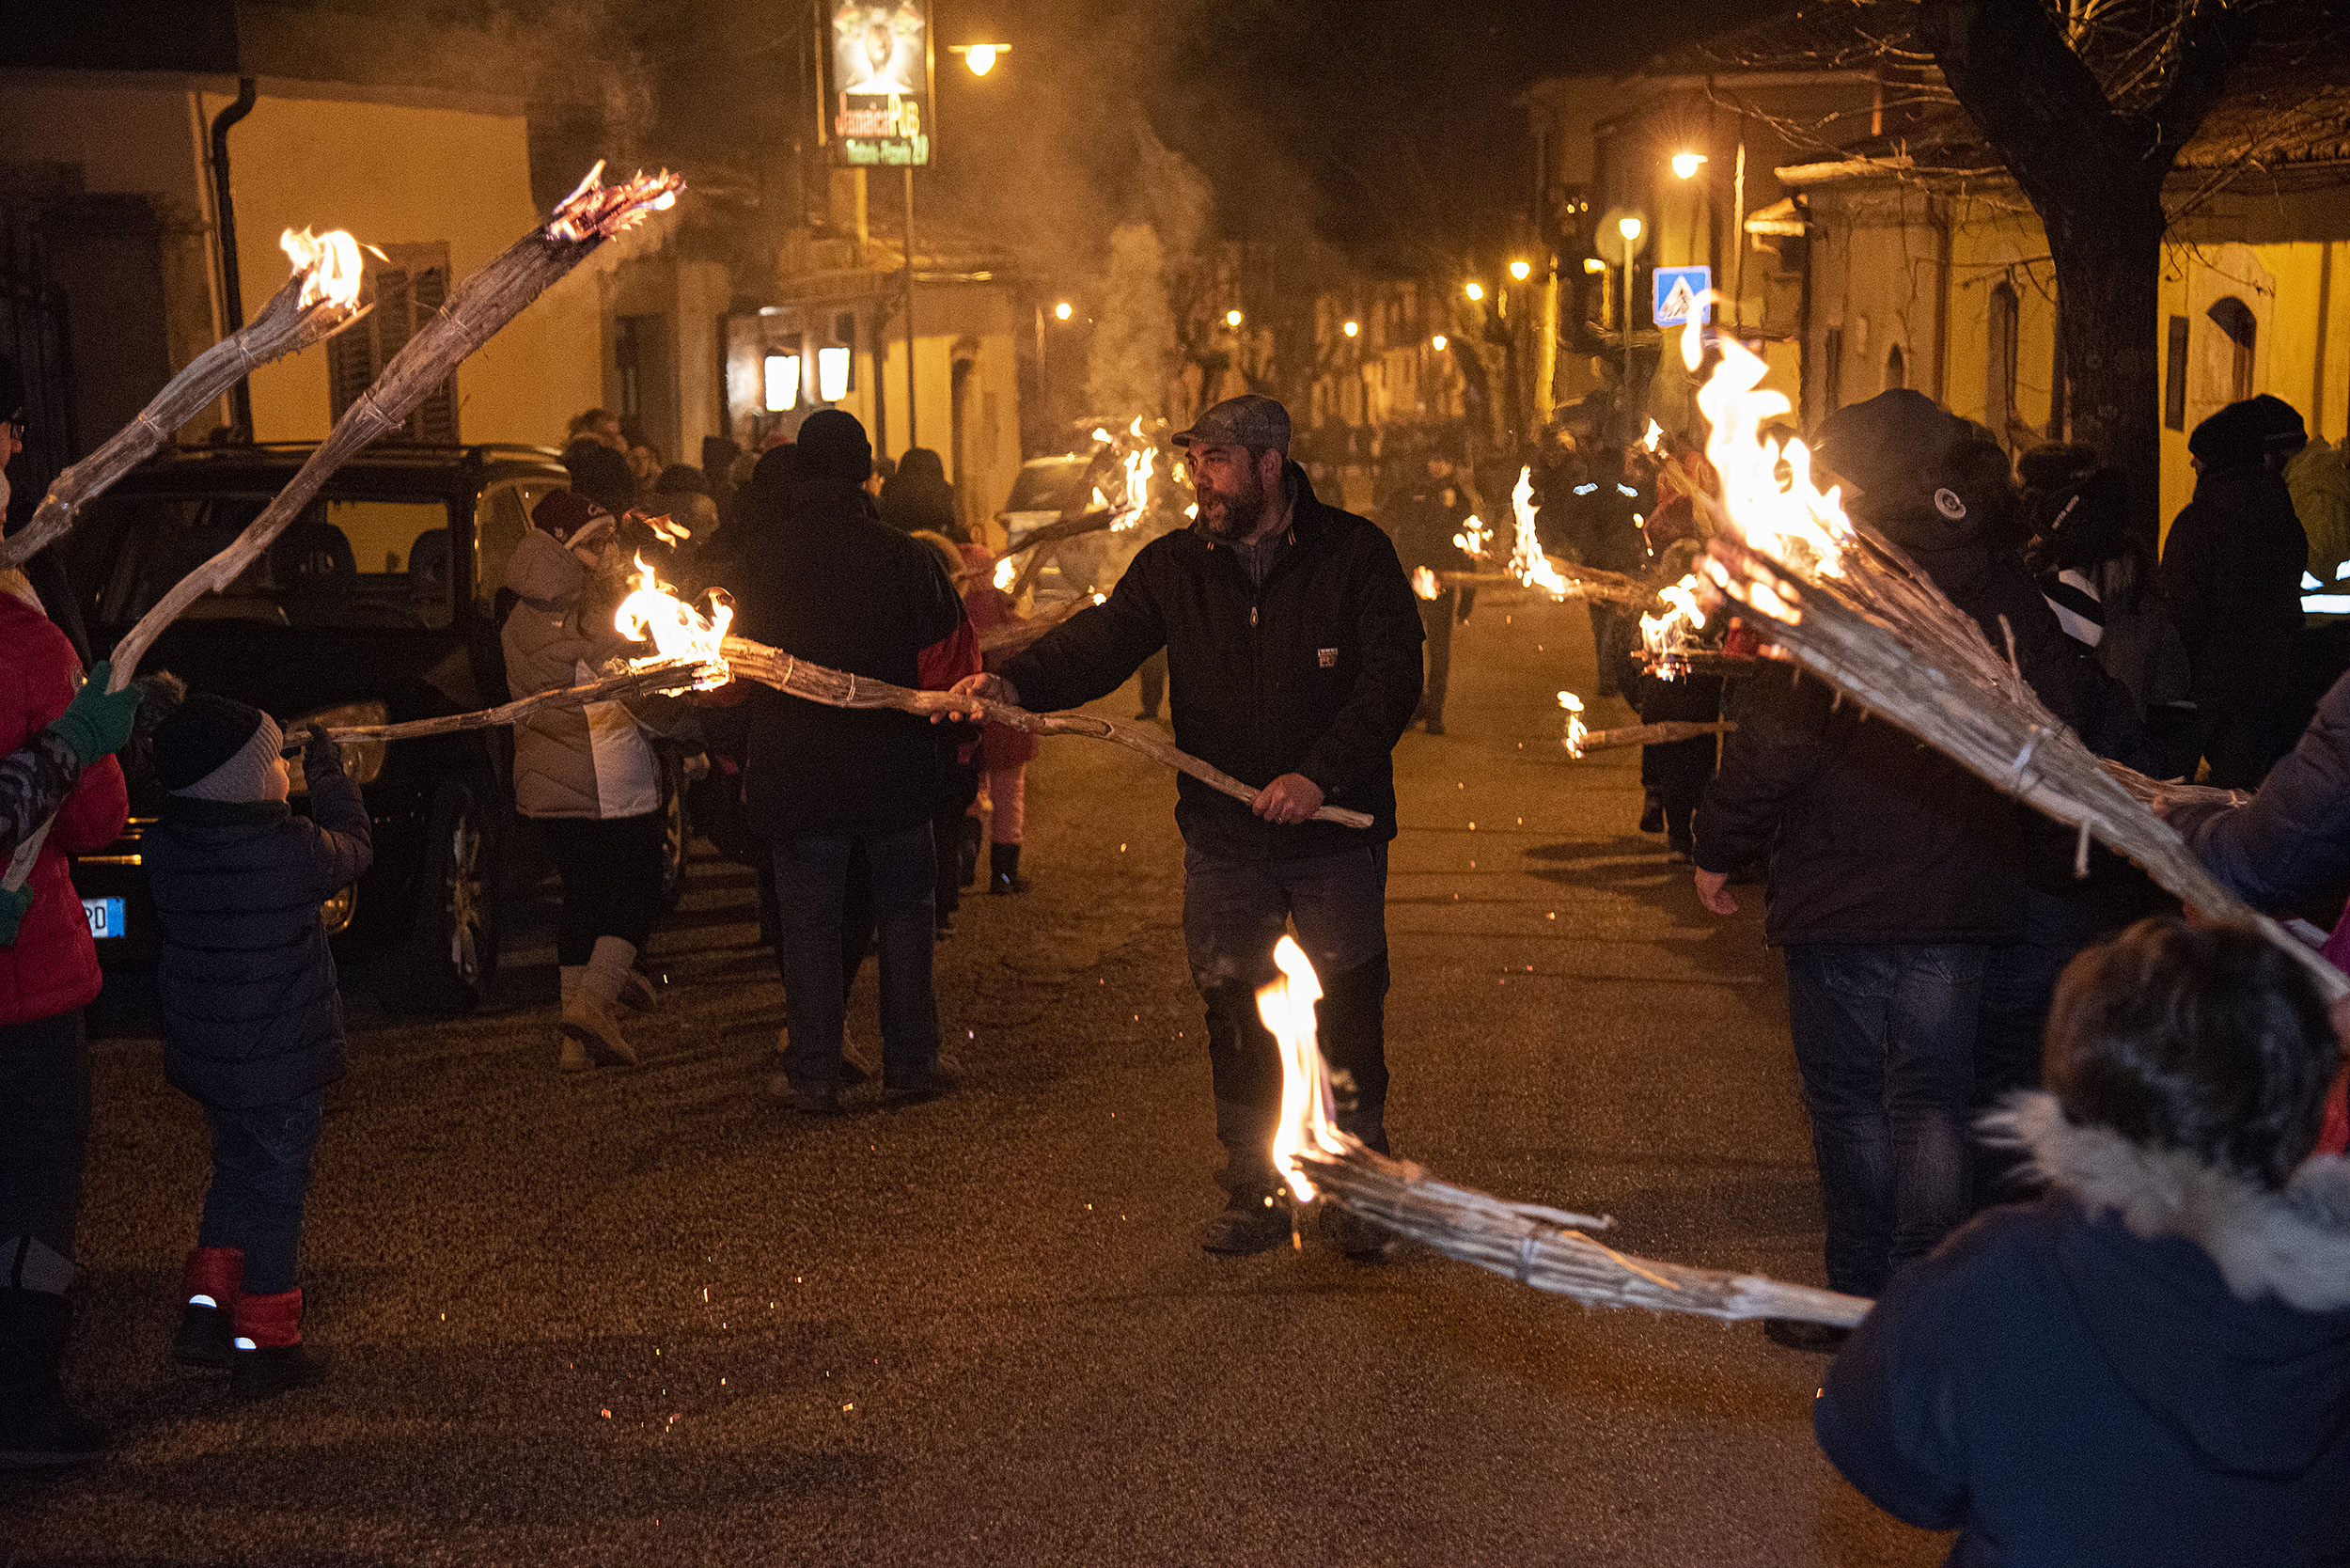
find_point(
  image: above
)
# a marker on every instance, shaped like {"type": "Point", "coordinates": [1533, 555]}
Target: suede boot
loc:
{"type": "Point", "coordinates": [270, 1358]}
{"type": "Point", "coordinates": [37, 1428]}
{"type": "Point", "coordinates": [592, 1035]}
{"type": "Point", "coordinates": [210, 1283]}
{"type": "Point", "coordinates": [1003, 863]}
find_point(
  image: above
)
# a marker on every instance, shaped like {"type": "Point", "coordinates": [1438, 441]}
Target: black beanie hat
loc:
{"type": "Point", "coordinates": [1896, 441]}
{"type": "Point", "coordinates": [2236, 437]}
{"type": "Point", "coordinates": [833, 450]}
{"type": "Point", "coordinates": [199, 735]}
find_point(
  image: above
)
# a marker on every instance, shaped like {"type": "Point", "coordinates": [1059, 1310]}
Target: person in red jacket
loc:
{"type": "Point", "coordinates": [48, 974]}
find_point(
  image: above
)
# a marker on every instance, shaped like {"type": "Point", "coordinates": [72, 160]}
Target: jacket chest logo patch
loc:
{"type": "Point", "coordinates": [1327, 657]}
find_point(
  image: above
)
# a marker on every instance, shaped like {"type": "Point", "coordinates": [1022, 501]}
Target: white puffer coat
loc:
{"type": "Point", "coordinates": [569, 761]}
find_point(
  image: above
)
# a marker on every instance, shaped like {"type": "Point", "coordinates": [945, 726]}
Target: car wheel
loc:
{"type": "Point", "coordinates": [676, 828]}
{"type": "Point", "coordinates": [451, 958]}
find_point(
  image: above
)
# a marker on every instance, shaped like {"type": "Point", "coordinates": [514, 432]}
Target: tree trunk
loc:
{"type": "Point", "coordinates": [2108, 272]}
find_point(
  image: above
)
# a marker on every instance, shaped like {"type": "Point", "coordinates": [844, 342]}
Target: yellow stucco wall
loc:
{"type": "Point", "coordinates": [396, 174]}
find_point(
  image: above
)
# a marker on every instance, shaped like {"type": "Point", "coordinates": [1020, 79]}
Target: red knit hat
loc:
{"type": "Point", "coordinates": [571, 518]}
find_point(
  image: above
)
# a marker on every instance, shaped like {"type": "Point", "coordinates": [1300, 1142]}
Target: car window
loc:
{"type": "Point", "coordinates": [1046, 484]}
{"type": "Point", "coordinates": [343, 562]}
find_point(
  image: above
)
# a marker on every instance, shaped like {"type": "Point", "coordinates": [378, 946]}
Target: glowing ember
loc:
{"type": "Point", "coordinates": [1665, 637]}
{"type": "Point", "coordinates": [677, 628]}
{"type": "Point", "coordinates": [1007, 571]}
{"type": "Point", "coordinates": [1575, 732]}
{"type": "Point", "coordinates": [1308, 1124]}
{"type": "Point", "coordinates": [1790, 519]}
{"type": "Point", "coordinates": [1656, 434]}
{"type": "Point", "coordinates": [331, 261]}
{"type": "Point", "coordinates": [1527, 562]}
{"type": "Point", "coordinates": [1424, 583]}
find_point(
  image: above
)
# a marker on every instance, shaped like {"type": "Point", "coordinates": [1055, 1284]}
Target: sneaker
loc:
{"type": "Point", "coordinates": [591, 1033]}
{"type": "Point", "coordinates": [205, 1338]}
{"type": "Point", "coordinates": [1797, 1334]}
{"type": "Point", "coordinates": [1365, 1241]}
{"type": "Point", "coordinates": [943, 1077]}
{"type": "Point", "coordinates": [1254, 1221]}
{"type": "Point", "coordinates": [265, 1371]}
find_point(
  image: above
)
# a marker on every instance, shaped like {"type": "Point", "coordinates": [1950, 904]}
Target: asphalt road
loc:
{"type": "Point", "coordinates": [649, 1318]}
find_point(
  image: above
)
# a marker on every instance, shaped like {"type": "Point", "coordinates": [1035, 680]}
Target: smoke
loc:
{"type": "Point", "coordinates": [1132, 351]}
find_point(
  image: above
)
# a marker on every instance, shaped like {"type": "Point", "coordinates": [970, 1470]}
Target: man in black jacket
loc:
{"type": "Point", "coordinates": [1293, 657]}
{"type": "Point", "coordinates": [831, 585]}
{"type": "Point", "coordinates": [1423, 521]}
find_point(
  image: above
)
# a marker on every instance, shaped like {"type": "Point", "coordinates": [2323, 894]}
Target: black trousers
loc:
{"type": "Point", "coordinates": [611, 871]}
{"type": "Point", "coordinates": [1436, 618]}
{"type": "Point", "coordinates": [44, 1126]}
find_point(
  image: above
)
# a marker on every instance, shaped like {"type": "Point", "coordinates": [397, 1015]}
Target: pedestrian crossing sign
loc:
{"type": "Point", "coordinates": [1681, 295]}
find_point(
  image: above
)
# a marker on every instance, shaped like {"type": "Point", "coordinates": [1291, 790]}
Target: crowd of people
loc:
{"type": "Point", "coordinates": [2142, 1338]}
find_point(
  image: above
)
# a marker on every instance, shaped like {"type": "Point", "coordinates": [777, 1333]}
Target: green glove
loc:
{"type": "Point", "coordinates": [14, 902]}
{"type": "Point", "coordinates": [98, 722]}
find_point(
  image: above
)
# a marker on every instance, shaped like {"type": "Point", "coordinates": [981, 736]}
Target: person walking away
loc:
{"type": "Point", "coordinates": [833, 586]}
{"type": "Point", "coordinates": [918, 497]}
{"type": "Point", "coordinates": [2320, 488]}
{"type": "Point", "coordinates": [2231, 577]}
{"type": "Point", "coordinates": [585, 774]}
{"type": "Point", "coordinates": [1423, 521]}
{"type": "Point", "coordinates": [252, 1025]}
{"type": "Point", "coordinates": [597, 460]}
{"type": "Point", "coordinates": [60, 734]}
{"type": "Point", "coordinates": [1294, 658]}
{"type": "Point", "coordinates": [1894, 873]}
{"type": "Point", "coordinates": [1005, 753]}
{"type": "Point", "coordinates": [2150, 1364]}
{"type": "Point", "coordinates": [1674, 775]}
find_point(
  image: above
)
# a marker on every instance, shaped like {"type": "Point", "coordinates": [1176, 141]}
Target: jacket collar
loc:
{"type": "Point", "coordinates": [2294, 1245]}
{"type": "Point", "coordinates": [188, 810]}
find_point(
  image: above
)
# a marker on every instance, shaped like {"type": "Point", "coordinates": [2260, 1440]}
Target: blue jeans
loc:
{"type": "Point", "coordinates": [260, 1176]}
{"type": "Point", "coordinates": [1234, 912]}
{"type": "Point", "coordinates": [811, 892]}
{"type": "Point", "coordinates": [1884, 1038]}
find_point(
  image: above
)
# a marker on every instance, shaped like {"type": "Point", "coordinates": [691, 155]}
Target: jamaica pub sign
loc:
{"type": "Point", "coordinates": [877, 81]}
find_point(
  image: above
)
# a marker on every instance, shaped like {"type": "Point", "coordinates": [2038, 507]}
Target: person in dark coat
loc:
{"type": "Point", "coordinates": [2288, 848]}
{"type": "Point", "coordinates": [917, 499]}
{"type": "Point", "coordinates": [1894, 873]}
{"type": "Point", "coordinates": [2231, 577]}
{"type": "Point", "coordinates": [1424, 519]}
{"type": "Point", "coordinates": [1294, 659]}
{"type": "Point", "coordinates": [2150, 1364]}
{"type": "Point", "coordinates": [829, 583]}
{"type": "Point", "coordinates": [252, 1025]}
{"type": "Point", "coordinates": [600, 473]}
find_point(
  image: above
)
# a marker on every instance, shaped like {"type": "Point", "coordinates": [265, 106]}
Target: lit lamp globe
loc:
{"type": "Point", "coordinates": [1232, 318]}
{"type": "Point", "coordinates": [1521, 271]}
{"type": "Point", "coordinates": [1685, 164]}
{"type": "Point", "coordinates": [1630, 228]}
{"type": "Point", "coordinates": [1475, 291]}
{"type": "Point", "coordinates": [1062, 311]}
{"type": "Point", "coordinates": [1353, 327]}
{"type": "Point", "coordinates": [980, 57]}
{"type": "Point", "coordinates": [1437, 342]}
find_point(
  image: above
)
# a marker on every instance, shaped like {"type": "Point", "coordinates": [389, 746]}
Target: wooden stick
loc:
{"type": "Point", "coordinates": [297, 316]}
{"type": "Point", "coordinates": [1663, 733]}
{"type": "Point", "coordinates": [1547, 1250]}
{"type": "Point", "coordinates": [673, 675]}
{"type": "Point", "coordinates": [1022, 633]}
{"type": "Point", "coordinates": [481, 305]}
{"type": "Point", "coordinates": [837, 689]}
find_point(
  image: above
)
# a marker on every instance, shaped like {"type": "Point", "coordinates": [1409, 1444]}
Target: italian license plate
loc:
{"type": "Point", "coordinates": [104, 916]}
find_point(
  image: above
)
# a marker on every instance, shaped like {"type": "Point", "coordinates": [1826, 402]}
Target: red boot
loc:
{"type": "Point", "coordinates": [268, 1357]}
{"type": "Point", "coordinates": [210, 1283]}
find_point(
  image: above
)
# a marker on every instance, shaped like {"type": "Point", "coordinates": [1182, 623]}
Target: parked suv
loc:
{"type": "Point", "coordinates": [380, 604]}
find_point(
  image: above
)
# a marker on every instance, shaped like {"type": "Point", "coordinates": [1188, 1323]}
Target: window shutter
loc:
{"type": "Point", "coordinates": [406, 289]}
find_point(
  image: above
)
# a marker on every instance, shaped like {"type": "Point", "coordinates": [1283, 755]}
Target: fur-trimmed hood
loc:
{"type": "Point", "coordinates": [2225, 1308]}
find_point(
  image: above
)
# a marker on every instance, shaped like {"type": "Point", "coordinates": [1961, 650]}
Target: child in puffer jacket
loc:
{"type": "Point", "coordinates": [252, 1025]}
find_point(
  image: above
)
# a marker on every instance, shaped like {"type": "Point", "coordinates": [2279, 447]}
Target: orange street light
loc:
{"type": "Point", "coordinates": [1685, 163]}
{"type": "Point", "coordinates": [1521, 271]}
{"type": "Point", "coordinates": [980, 57]}
{"type": "Point", "coordinates": [1475, 291]}
{"type": "Point", "coordinates": [1063, 310]}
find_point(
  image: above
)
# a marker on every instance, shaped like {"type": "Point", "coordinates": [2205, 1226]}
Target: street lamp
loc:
{"type": "Point", "coordinates": [1685, 163]}
{"type": "Point", "coordinates": [1437, 342]}
{"type": "Point", "coordinates": [1593, 264]}
{"type": "Point", "coordinates": [1232, 318]}
{"type": "Point", "coordinates": [1062, 311]}
{"type": "Point", "coordinates": [980, 57]}
{"type": "Point", "coordinates": [1629, 227]}
{"type": "Point", "coordinates": [1521, 271]}
{"type": "Point", "coordinates": [1475, 291]}
{"type": "Point", "coordinates": [1353, 327]}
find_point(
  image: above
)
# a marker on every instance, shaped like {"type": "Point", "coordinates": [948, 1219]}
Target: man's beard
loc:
{"type": "Point", "coordinates": [1232, 514]}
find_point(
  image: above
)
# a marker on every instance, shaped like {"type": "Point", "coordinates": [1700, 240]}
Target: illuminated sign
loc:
{"type": "Point", "coordinates": [877, 82]}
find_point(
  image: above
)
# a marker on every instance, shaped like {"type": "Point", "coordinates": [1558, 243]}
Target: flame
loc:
{"type": "Point", "coordinates": [1789, 520]}
{"type": "Point", "coordinates": [675, 627]}
{"type": "Point", "coordinates": [1473, 538]}
{"type": "Point", "coordinates": [1103, 436]}
{"type": "Point", "coordinates": [1575, 732]}
{"type": "Point", "coordinates": [595, 210]}
{"type": "Point", "coordinates": [1664, 635]}
{"type": "Point", "coordinates": [1137, 465]}
{"type": "Point", "coordinates": [1308, 1124]}
{"type": "Point", "coordinates": [1007, 571]}
{"type": "Point", "coordinates": [1424, 583]}
{"type": "Point", "coordinates": [1527, 562]}
{"type": "Point", "coordinates": [669, 530]}
{"type": "Point", "coordinates": [1656, 434]}
{"type": "Point", "coordinates": [331, 263]}
{"type": "Point", "coordinates": [1099, 501]}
